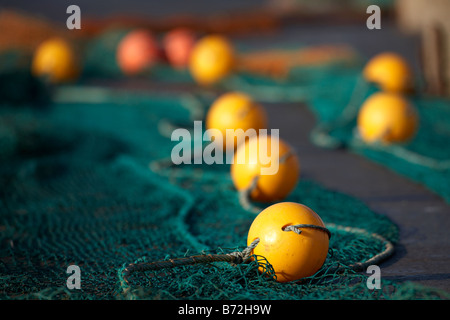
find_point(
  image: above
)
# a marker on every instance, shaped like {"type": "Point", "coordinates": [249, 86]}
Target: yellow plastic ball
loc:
{"type": "Point", "coordinates": [293, 256]}
{"type": "Point", "coordinates": [387, 118]}
{"type": "Point", "coordinates": [235, 110]}
{"type": "Point", "coordinates": [269, 187]}
{"type": "Point", "coordinates": [390, 71]}
{"type": "Point", "coordinates": [211, 60]}
{"type": "Point", "coordinates": [56, 59]}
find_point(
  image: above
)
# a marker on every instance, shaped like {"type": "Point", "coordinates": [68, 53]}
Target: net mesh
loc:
{"type": "Point", "coordinates": [79, 186]}
{"type": "Point", "coordinates": [336, 92]}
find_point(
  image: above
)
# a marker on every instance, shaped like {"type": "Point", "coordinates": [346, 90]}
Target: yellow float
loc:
{"type": "Point", "coordinates": [390, 72]}
{"type": "Point", "coordinates": [293, 239]}
{"type": "Point", "coordinates": [387, 118]}
{"type": "Point", "coordinates": [56, 59]}
{"type": "Point", "coordinates": [211, 59]}
{"type": "Point", "coordinates": [233, 111]}
{"type": "Point", "coordinates": [271, 174]}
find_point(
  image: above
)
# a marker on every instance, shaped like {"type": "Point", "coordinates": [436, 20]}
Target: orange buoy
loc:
{"type": "Point", "coordinates": [292, 238]}
{"type": "Point", "coordinates": [211, 60]}
{"type": "Point", "coordinates": [390, 71]}
{"type": "Point", "coordinates": [137, 51]}
{"type": "Point", "coordinates": [276, 170]}
{"type": "Point", "coordinates": [56, 59]}
{"type": "Point", "coordinates": [178, 45]}
{"type": "Point", "coordinates": [387, 118]}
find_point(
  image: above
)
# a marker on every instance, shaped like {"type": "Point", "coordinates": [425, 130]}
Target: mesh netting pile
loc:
{"type": "Point", "coordinates": [82, 183]}
{"type": "Point", "coordinates": [336, 92]}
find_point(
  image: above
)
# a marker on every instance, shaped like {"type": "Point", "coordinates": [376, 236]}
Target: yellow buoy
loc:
{"type": "Point", "coordinates": [293, 255]}
{"type": "Point", "coordinates": [390, 71]}
{"type": "Point", "coordinates": [387, 118]}
{"type": "Point", "coordinates": [211, 60]}
{"type": "Point", "coordinates": [233, 111]}
{"type": "Point", "coordinates": [275, 169]}
{"type": "Point", "coordinates": [56, 59]}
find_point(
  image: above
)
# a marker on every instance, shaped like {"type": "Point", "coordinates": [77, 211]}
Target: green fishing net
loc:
{"type": "Point", "coordinates": [86, 181]}
{"type": "Point", "coordinates": [335, 93]}
{"type": "Point", "coordinates": [425, 159]}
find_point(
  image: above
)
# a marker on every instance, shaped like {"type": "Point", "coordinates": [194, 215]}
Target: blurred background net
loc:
{"type": "Point", "coordinates": [79, 184]}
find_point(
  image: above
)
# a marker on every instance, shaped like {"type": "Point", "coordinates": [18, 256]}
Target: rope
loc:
{"type": "Point", "coordinates": [271, 93]}
{"type": "Point", "coordinates": [196, 111]}
{"type": "Point", "coordinates": [297, 228]}
{"type": "Point", "coordinates": [239, 257]}
{"type": "Point", "coordinates": [402, 153]}
{"type": "Point", "coordinates": [245, 197]}
{"type": "Point", "coordinates": [234, 258]}
{"type": "Point", "coordinates": [376, 259]}
{"type": "Point", "coordinates": [320, 135]}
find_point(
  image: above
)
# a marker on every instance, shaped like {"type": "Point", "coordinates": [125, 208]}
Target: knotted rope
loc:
{"type": "Point", "coordinates": [234, 258]}
{"type": "Point", "coordinates": [239, 257]}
